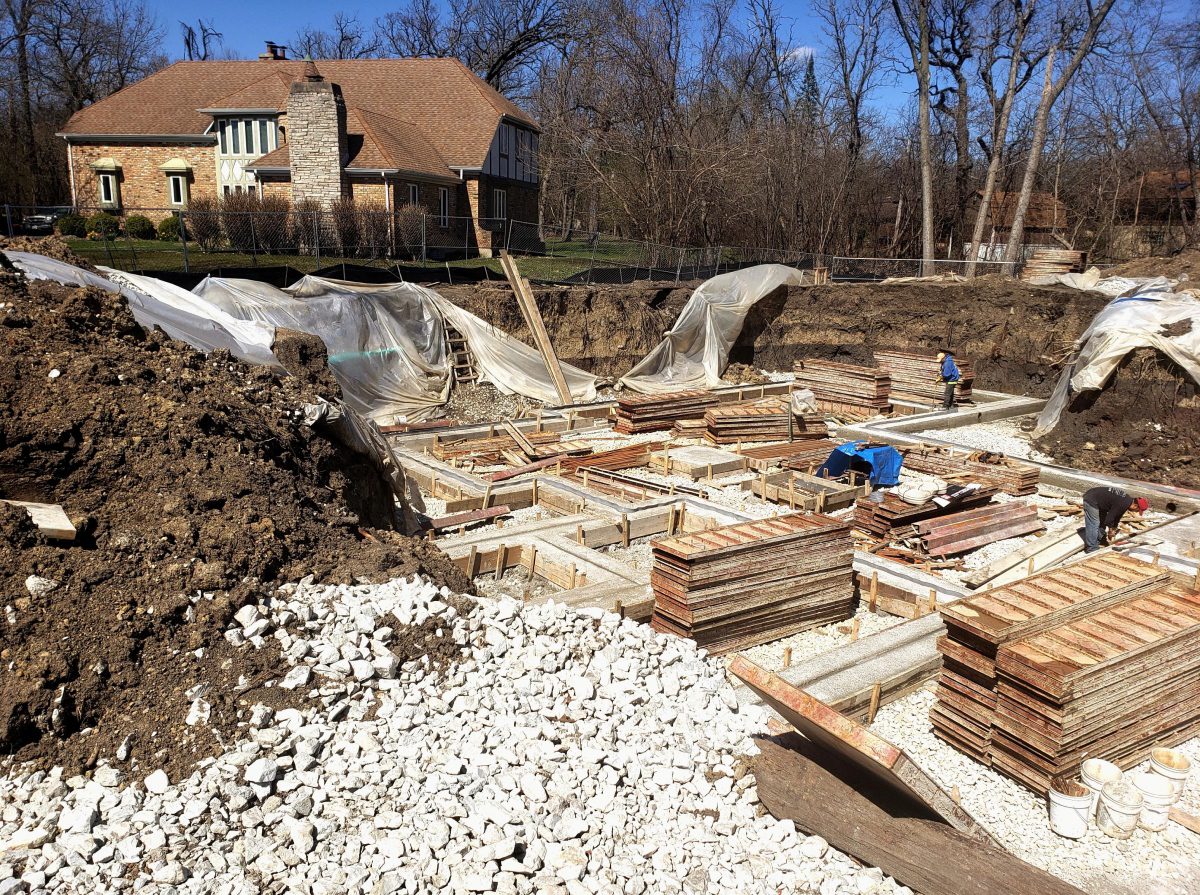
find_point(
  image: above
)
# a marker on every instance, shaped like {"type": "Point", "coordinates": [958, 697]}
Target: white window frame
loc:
{"type": "Point", "coordinates": [108, 183]}
{"type": "Point", "coordinates": [235, 137]}
{"type": "Point", "coordinates": [414, 194]}
{"type": "Point", "coordinates": [264, 136]}
{"type": "Point", "coordinates": [443, 206]}
{"type": "Point", "coordinates": [499, 205]}
{"type": "Point", "coordinates": [223, 132]}
{"type": "Point", "coordinates": [180, 181]}
{"type": "Point", "coordinates": [248, 134]}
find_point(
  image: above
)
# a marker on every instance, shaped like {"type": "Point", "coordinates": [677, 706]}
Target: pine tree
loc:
{"type": "Point", "coordinates": [810, 93]}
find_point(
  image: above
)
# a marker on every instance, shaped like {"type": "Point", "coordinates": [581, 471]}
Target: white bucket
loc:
{"type": "Point", "coordinates": [1171, 764]}
{"type": "Point", "coordinates": [1094, 773]}
{"type": "Point", "coordinates": [1070, 809]}
{"type": "Point", "coordinates": [1120, 809]}
{"type": "Point", "coordinates": [1158, 796]}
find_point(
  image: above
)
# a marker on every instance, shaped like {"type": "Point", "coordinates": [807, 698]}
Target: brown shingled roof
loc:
{"type": "Point", "coordinates": [455, 111]}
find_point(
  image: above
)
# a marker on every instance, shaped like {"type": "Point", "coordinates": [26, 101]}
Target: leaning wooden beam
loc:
{"type": "Point", "coordinates": [533, 318]}
{"type": "Point", "coordinates": [456, 519]}
{"type": "Point", "coordinates": [515, 471]}
{"type": "Point", "coordinates": [800, 781]}
{"type": "Point", "coordinates": [50, 518]}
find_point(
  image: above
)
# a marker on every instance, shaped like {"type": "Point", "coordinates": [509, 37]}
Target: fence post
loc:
{"type": "Point", "coordinates": [8, 219]}
{"type": "Point", "coordinates": [108, 248]}
{"type": "Point", "coordinates": [467, 237]}
{"type": "Point", "coordinates": [317, 237]}
{"type": "Point", "coordinates": [183, 238]}
{"type": "Point", "coordinates": [592, 260]}
{"type": "Point", "coordinates": [508, 238]}
{"type": "Point", "coordinates": [720, 249]}
{"type": "Point", "coordinates": [678, 265]}
{"type": "Point", "coordinates": [132, 250]}
{"type": "Point", "coordinates": [424, 243]}
{"type": "Point", "coordinates": [253, 240]}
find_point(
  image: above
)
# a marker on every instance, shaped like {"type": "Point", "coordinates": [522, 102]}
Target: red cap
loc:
{"type": "Point", "coordinates": [1142, 504]}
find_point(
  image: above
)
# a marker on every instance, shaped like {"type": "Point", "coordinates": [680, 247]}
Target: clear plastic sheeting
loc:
{"type": "Point", "coordinates": [1092, 280]}
{"type": "Point", "coordinates": [695, 351]}
{"type": "Point", "coordinates": [1168, 322]}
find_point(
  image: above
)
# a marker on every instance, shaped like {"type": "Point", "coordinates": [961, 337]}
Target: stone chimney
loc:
{"type": "Point", "coordinates": [316, 119]}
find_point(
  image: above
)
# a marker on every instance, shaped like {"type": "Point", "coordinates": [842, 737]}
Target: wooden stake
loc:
{"type": "Point", "coordinates": [433, 484]}
{"type": "Point", "coordinates": [854, 631]}
{"type": "Point", "coordinates": [619, 609]}
{"type": "Point", "coordinates": [539, 421]}
{"type": "Point", "coordinates": [1029, 567]}
{"type": "Point", "coordinates": [579, 533]}
{"type": "Point", "coordinates": [500, 557]}
{"type": "Point", "coordinates": [876, 693]}
{"type": "Point", "coordinates": [709, 475]}
{"type": "Point", "coordinates": [682, 515]}
{"type": "Point", "coordinates": [491, 430]}
{"type": "Point", "coordinates": [874, 590]}
{"type": "Point", "coordinates": [787, 657]}
{"type": "Point", "coordinates": [535, 492]}
{"type": "Point", "coordinates": [487, 496]}
{"type": "Point", "coordinates": [572, 576]}
{"type": "Point", "coordinates": [558, 468]}
{"type": "Point", "coordinates": [585, 477]}
{"type": "Point", "coordinates": [932, 600]}
{"type": "Point", "coordinates": [791, 493]}
{"type": "Point", "coordinates": [472, 560]}
{"type": "Point", "coordinates": [499, 522]}
{"type": "Point", "coordinates": [532, 561]}
{"type": "Point", "coordinates": [1196, 580]}
{"type": "Point", "coordinates": [624, 529]}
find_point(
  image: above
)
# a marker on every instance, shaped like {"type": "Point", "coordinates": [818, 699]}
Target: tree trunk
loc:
{"type": "Point", "coordinates": [927, 244]}
{"type": "Point", "coordinates": [962, 153]}
{"type": "Point", "coordinates": [1041, 123]}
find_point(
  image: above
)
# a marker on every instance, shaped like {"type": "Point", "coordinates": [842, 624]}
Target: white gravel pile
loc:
{"type": "Point", "coordinates": [1003, 436]}
{"type": "Point", "coordinates": [1166, 863]}
{"type": "Point", "coordinates": [563, 752]}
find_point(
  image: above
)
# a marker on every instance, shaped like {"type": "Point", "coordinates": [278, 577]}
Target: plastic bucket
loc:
{"type": "Point", "coordinates": [1095, 772]}
{"type": "Point", "coordinates": [1120, 809]}
{"type": "Point", "coordinates": [1171, 764]}
{"type": "Point", "coordinates": [1158, 795]}
{"type": "Point", "coordinates": [1070, 809]}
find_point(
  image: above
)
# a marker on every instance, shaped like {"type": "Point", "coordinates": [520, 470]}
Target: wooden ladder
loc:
{"type": "Point", "coordinates": [462, 360]}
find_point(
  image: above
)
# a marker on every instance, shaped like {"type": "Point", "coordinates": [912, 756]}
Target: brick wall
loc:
{"type": "Point", "coordinates": [141, 184]}
{"type": "Point", "coordinates": [368, 192]}
{"type": "Point", "coordinates": [316, 141]}
{"type": "Point", "coordinates": [521, 205]}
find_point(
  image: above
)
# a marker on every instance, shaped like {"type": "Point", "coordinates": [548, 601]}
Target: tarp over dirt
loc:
{"type": "Point", "coordinates": [694, 352]}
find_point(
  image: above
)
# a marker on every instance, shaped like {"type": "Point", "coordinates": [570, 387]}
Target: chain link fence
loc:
{"type": "Point", "coordinates": [370, 242]}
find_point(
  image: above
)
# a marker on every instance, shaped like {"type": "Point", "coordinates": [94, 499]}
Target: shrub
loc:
{"type": "Point", "coordinates": [410, 228]}
{"type": "Point", "coordinates": [139, 227]}
{"type": "Point", "coordinates": [103, 224]}
{"type": "Point", "coordinates": [273, 226]}
{"type": "Point", "coordinates": [168, 229]}
{"type": "Point", "coordinates": [307, 222]}
{"type": "Point", "coordinates": [237, 220]}
{"type": "Point", "coordinates": [344, 216]}
{"type": "Point", "coordinates": [373, 240]}
{"type": "Point", "coordinates": [203, 222]}
{"type": "Point", "coordinates": [72, 225]}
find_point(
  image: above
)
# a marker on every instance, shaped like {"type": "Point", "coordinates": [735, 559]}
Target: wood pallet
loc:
{"type": "Point", "coordinates": [1050, 261]}
{"type": "Point", "coordinates": [976, 629]}
{"type": "Point", "coordinates": [971, 529]}
{"type": "Point", "coordinates": [1009, 475]}
{"type": "Point", "coordinates": [883, 518]}
{"type": "Point", "coordinates": [858, 389]}
{"type": "Point", "coordinates": [914, 376]}
{"type": "Point", "coordinates": [753, 582]}
{"type": "Point", "coordinates": [651, 413]}
{"type": "Point", "coordinates": [619, 458]}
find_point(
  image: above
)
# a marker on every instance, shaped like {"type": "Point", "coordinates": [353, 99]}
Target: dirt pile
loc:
{"type": "Point", "coordinates": [1014, 332]}
{"type": "Point", "coordinates": [1145, 425]}
{"type": "Point", "coordinates": [1185, 263]}
{"type": "Point", "coordinates": [194, 489]}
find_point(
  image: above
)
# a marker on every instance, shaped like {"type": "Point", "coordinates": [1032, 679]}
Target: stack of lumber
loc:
{"type": "Point", "coordinates": [765, 456]}
{"type": "Point", "coordinates": [914, 376]}
{"type": "Point", "coordinates": [765, 420]}
{"type": "Point", "coordinates": [810, 455]}
{"type": "Point", "coordinates": [882, 518]}
{"type": "Point", "coordinates": [838, 385]}
{"type": "Point", "coordinates": [693, 428]}
{"type": "Point", "coordinates": [1112, 685]}
{"type": "Point", "coordinates": [971, 529]}
{"type": "Point", "coordinates": [976, 629]}
{"type": "Point", "coordinates": [620, 458]}
{"type": "Point", "coordinates": [490, 451]}
{"type": "Point", "coordinates": [650, 413]}
{"type": "Point", "coordinates": [1050, 262]}
{"type": "Point", "coordinates": [1010, 476]}
{"type": "Point", "coordinates": [741, 585]}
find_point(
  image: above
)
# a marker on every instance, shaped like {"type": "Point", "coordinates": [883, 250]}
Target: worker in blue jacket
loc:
{"type": "Point", "coordinates": [949, 374]}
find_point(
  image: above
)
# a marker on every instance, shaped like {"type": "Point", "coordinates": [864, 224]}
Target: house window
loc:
{"type": "Point", "coordinates": [414, 194]}
{"type": "Point", "coordinates": [108, 190]}
{"type": "Point", "coordinates": [177, 189]}
{"type": "Point", "coordinates": [443, 206]}
{"type": "Point", "coordinates": [249, 126]}
{"type": "Point", "coordinates": [499, 205]}
{"type": "Point", "coordinates": [222, 129]}
{"type": "Point", "coordinates": [262, 135]}
{"type": "Point", "coordinates": [504, 134]}
{"type": "Point", "coordinates": [226, 189]}
{"type": "Point", "coordinates": [234, 131]}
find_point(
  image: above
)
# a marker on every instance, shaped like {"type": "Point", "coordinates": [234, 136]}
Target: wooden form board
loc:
{"type": "Point", "coordinates": [533, 319]}
{"type": "Point", "coordinates": [1046, 552]}
{"type": "Point", "coordinates": [698, 462]}
{"type": "Point", "coordinates": [827, 796]}
{"type": "Point", "coordinates": [801, 491]}
{"type": "Point", "coordinates": [50, 518]}
{"type": "Point", "coordinates": [873, 754]}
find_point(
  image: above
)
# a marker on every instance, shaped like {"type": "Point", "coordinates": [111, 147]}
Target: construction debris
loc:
{"type": "Point", "coordinates": [882, 518]}
{"type": "Point", "coordinates": [845, 388]}
{"type": "Point", "coordinates": [1010, 476]}
{"type": "Point", "coordinates": [976, 629]}
{"type": "Point", "coordinates": [1049, 262]}
{"type": "Point", "coordinates": [970, 529]}
{"type": "Point", "coordinates": [806, 454]}
{"type": "Point", "coordinates": [742, 585]}
{"type": "Point", "coordinates": [915, 376]}
{"type": "Point", "coordinates": [651, 413]}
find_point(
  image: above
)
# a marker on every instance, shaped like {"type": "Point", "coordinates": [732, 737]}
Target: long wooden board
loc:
{"type": "Point", "coordinates": [50, 518]}
{"type": "Point", "coordinates": [533, 319]}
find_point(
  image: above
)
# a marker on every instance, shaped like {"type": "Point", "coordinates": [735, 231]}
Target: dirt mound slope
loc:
{"type": "Point", "coordinates": [195, 489]}
{"type": "Point", "coordinates": [1014, 332]}
{"type": "Point", "coordinates": [1144, 425]}
{"type": "Point", "coordinates": [1181, 264]}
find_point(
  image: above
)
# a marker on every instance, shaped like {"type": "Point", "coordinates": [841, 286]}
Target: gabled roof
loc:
{"type": "Point", "coordinates": [455, 112]}
{"type": "Point", "coordinates": [1045, 212]}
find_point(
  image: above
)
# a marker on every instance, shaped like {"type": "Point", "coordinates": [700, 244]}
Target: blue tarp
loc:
{"type": "Point", "coordinates": [884, 462]}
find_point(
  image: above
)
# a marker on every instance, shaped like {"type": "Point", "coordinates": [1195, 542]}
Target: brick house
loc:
{"type": "Point", "coordinates": [382, 131]}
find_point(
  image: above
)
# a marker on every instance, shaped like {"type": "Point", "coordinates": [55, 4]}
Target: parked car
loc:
{"type": "Point", "coordinates": [42, 221]}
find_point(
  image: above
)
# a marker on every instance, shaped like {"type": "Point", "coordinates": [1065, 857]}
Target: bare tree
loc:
{"type": "Point", "coordinates": [855, 30]}
{"type": "Point", "coordinates": [200, 41]}
{"type": "Point", "coordinates": [916, 36]}
{"type": "Point", "coordinates": [345, 39]}
{"type": "Point", "coordinates": [952, 48]}
{"type": "Point", "coordinates": [1075, 35]}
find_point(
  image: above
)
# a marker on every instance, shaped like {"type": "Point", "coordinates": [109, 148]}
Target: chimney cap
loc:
{"type": "Point", "coordinates": [273, 51]}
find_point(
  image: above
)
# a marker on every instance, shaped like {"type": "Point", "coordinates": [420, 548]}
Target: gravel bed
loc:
{"type": "Point", "coordinates": [638, 555]}
{"type": "Point", "coordinates": [1166, 863]}
{"type": "Point", "coordinates": [814, 642]}
{"type": "Point", "coordinates": [1004, 436]}
{"type": "Point", "coordinates": [450, 746]}
{"type": "Point", "coordinates": [516, 584]}
{"type": "Point", "coordinates": [516, 517]}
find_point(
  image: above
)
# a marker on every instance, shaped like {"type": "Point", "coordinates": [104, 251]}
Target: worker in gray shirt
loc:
{"type": "Point", "coordinates": [1103, 508]}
